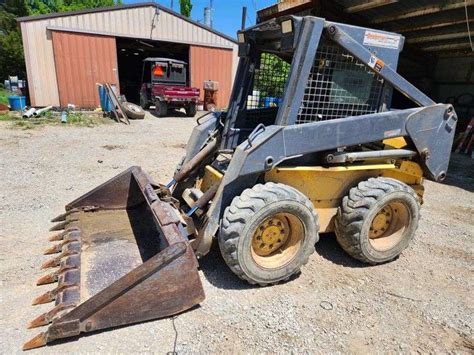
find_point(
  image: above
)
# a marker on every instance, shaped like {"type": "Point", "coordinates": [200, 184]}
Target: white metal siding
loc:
{"type": "Point", "coordinates": [133, 22]}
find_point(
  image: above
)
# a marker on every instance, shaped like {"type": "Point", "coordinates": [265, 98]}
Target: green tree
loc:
{"type": "Point", "coordinates": [11, 48]}
{"type": "Point", "coordinates": [185, 7]}
{"type": "Point", "coordinates": [37, 7]}
{"type": "Point", "coordinates": [271, 76]}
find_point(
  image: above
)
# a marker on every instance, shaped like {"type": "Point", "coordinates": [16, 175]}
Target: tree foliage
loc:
{"type": "Point", "coordinates": [271, 76]}
{"type": "Point", "coordinates": [11, 48]}
{"type": "Point", "coordinates": [37, 7]}
{"type": "Point", "coordinates": [185, 7]}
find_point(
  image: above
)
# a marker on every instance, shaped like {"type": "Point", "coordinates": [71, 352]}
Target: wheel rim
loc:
{"type": "Point", "coordinates": [277, 240]}
{"type": "Point", "coordinates": [389, 226]}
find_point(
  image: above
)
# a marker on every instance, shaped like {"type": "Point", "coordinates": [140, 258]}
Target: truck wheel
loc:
{"type": "Point", "coordinates": [144, 103]}
{"type": "Point", "coordinates": [268, 233]}
{"type": "Point", "coordinates": [377, 220]}
{"type": "Point", "coordinates": [191, 110]}
{"type": "Point", "coordinates": [133, 111]}
{"type": "Point", "coordinates": [161, 108]}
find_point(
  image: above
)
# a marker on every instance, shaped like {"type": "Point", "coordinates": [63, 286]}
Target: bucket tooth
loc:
{"type": "Point", "coordinates": [47, 317]}
{"type": "Point", "coordinates": [68, 263]}
{"type": "Point", "coordinates": [40, 340]}
{"type": "Point", "coordinates": [48, 279]}
{"type": "Point", "coordinates": [62, 216]}
{"type": "Point", "coordinates": [52, 262]}
{"type": "Point", "coordinates": [53, 250]}
{"type": "Point", "coordinates": [61, 246]}
{"type": "Point", "coordinates": [57, 260]}
{"type": "Point", "coordinates": [63, 234]}
{"type": "Point", "coordinates": [45, 298]}
{"type": "Point", "coordinates": [53, 294]}
{"type": "Point", "coordinates": [59, 226]}
{"type": "Point", "coordinates": [57, 237]}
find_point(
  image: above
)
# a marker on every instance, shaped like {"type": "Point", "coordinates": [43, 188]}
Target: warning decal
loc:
{"type": "Point", "coordinates": [376, 63]}
{"type": "Point", "coordinates": [378, 39]}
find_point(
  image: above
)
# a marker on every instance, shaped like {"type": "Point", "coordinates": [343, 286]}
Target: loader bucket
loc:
{"type": "Point", "coordinates": [120, 258]}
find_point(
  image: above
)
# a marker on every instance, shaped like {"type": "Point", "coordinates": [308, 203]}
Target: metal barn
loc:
{"type": "Point", "coordinates": [66, 54]}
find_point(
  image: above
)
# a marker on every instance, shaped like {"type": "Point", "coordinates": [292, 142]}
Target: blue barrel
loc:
{"type": "Point", "coordinates": [105, 103]}
{"type": "Point", "coordinates": [270, 101]}
{"type": "Point", "coordinates": [17, 103]}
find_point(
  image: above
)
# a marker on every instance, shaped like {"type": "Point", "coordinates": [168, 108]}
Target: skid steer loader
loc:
{"type": "Point", "coordinates": [309, 145]}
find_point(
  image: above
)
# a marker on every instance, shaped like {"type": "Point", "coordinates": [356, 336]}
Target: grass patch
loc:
{"type": "Point", "coordinates": [4, 96]}
{"type": "Point", "coordinates": [51, 118]}
{"type": "Point", "coordinates": [81, 119]}
{"type": "Point", "coordinates": [6, 117]}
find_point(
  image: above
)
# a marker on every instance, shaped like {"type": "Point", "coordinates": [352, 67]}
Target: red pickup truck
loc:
{"type": "Point", "coordinates": [164, 85]}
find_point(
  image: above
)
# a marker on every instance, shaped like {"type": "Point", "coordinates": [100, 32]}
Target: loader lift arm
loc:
{"type": "Point", "coordinates": [431, 127]}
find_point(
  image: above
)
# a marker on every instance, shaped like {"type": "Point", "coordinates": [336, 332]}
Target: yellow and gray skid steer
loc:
{"type": "Point", "coordinates": [309, 144]}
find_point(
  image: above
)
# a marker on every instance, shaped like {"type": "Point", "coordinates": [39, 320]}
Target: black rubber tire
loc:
{"type": "Point", "coordinates": [191, 110]}
{"type": "Point", "coordinates": [161, 108]}
{"type": "Point", "coordinates": [359, 208]}
{"type": "Point", "coordinates": [243, 216]}
{"type": "Point", "coordinates": [133, 111]}
{"type": "Point", "coordinates": [144, 103]}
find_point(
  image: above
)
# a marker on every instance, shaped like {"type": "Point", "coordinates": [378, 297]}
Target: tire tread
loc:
{"type": "Point", "coordinates": [239, 213]}
{"type": "Point", "coordinates": [355, 207]}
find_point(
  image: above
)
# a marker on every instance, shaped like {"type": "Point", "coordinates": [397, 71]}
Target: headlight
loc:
{"type": "Point", "coordinates": [287, 26]}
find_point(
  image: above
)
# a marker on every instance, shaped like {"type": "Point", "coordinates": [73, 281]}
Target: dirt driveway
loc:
{"type": "Point", "coordinates": [420, 302]}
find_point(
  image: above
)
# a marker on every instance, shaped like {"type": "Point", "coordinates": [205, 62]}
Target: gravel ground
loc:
{"type": "Point", "coordinates": [418, 303]}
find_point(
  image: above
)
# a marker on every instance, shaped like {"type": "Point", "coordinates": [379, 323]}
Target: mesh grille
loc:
{"type": "Point", "coordinates": [269, 82]}
{"type": "Point", "coordinates": [339, 85]}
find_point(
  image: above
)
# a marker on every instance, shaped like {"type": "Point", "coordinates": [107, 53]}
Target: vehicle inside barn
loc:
{"type": "Point", "coordinates": [130, 56]}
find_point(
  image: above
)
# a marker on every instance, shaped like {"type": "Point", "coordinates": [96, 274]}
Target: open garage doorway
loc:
{"type": "Point", "coordinates": [130, 56]}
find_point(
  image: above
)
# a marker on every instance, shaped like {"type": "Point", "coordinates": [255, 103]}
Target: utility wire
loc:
{"type": "Point", "coordinates": [254, 3]}
{"type": "Point", "coordinates": [467, 23]}
{"type": "Point", "coordinates": [250, 21]}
